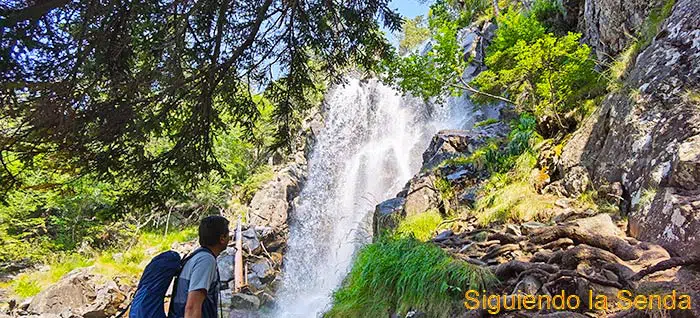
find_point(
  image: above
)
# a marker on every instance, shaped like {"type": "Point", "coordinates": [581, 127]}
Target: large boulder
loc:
{"type": "Point", "coordinates": [421, 195]}
{"type": "Point", "coordinates": [645, 135]}
{"type": "Point", "coordinates": [81, 293]}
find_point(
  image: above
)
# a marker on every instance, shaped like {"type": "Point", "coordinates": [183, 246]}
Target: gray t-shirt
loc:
{"type": "Point", "coordinates": [198, 273]}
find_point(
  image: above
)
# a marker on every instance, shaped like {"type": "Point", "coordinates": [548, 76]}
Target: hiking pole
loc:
{"type": "Point", "coordinates": [238, 262]}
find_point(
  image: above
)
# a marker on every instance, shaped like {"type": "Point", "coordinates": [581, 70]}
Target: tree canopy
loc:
{"type": "Point", "coordinates": [88, 86]}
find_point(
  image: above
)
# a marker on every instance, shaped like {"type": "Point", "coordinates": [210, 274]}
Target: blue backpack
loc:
{"type": "Point", "coordinates": [149, 298]}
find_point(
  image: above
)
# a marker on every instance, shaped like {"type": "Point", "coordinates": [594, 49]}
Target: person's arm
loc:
{"type": "Point", "coordinates": [195, 299]}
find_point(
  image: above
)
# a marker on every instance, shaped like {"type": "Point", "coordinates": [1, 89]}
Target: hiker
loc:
{"type": "Point", "coordinates": [197, 288]}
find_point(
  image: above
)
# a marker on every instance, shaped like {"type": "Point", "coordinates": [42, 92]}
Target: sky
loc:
{"type": "Point", "coordinates": [408, 9]}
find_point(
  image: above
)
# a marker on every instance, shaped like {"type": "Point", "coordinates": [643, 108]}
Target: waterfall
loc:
{"type": "Point", "coordinates": [370, 147]}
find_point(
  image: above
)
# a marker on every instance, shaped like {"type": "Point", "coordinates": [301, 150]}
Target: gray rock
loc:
{"type": "Point", "coordinates": [686, 167]}
{"type": "Point", "coordinates": [225, 263]}
{"type": "Point", "coordinates": [244, 301]}
{"type": "Point", "coordinates": [387, 215]}
{"type": "Point", "coordinates": [79, 292]}
{"type": "Point", "coordinates": [527, 227]}
{"type": "Point", "coordinates": [443, 235]}
{"type": "Point", "coordinates": [604, 23]}
{"type": "Point", "coordinates": [263, 270]}
{"type": "Point", "coordinates": [672, 221]}
{"type": "Point", "coordinates": [271, 204]}
{"type": "Point", "coordinates": [448, 144]}
{"type": "Point", "coordinates": [601, 224]}
{"type": "Point", "coordinates": [422, 195]}
{"type": "Point", "coordinates": [576, 181]}
{"type": "Point", "coordinates": [644, 140]}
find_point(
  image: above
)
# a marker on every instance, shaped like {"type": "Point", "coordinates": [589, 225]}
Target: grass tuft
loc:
{"type": "Point", "coordinates": [397, 275]}
{"type": "Point", "coordinates": [511, 196]}
{"type": "Point", "coordinates": [420, 226]}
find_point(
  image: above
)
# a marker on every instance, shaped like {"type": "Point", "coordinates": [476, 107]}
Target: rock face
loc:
{"type": "Point", "coordinates": [271, 204]}
{"type": "Point", "coordinates": [646, 135]}
{"type": "Point", "coordinates": [607, 23]}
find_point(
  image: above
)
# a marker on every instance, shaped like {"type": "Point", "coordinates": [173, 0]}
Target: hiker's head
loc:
{"type": "Point", "coordinates": [213, 232]}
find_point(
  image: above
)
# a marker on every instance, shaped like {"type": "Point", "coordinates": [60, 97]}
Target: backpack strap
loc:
{"type": "Point", "coordinates": [182, 265]}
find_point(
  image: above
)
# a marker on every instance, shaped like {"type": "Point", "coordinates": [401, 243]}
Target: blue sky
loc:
{"type": "Point", "coordinates": [408, 9]}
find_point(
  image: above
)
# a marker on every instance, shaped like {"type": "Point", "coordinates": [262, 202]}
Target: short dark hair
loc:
{"type": "Point", "coordinates": [211, 228]}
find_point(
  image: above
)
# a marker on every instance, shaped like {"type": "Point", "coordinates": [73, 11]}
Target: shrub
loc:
{"type": "Point", "coordinates": [396, 275]}
{"type": "Point", "coordinates": [543, 74]}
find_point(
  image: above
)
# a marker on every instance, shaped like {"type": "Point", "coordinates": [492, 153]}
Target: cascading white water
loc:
{"type": "Point", "coordinates": [370, 147]}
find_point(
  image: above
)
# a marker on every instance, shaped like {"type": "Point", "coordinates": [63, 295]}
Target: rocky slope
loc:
{"type": "Point", "coordinates": [647, 135]}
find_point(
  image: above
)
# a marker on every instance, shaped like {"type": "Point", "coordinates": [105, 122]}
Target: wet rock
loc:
{"type": "Point", "coordinates": [263, 270]}
{"type": "Point", "coordinates": [244, 302]}
{"type": "Point", "coordinates": [250, 241]}
{"type": "Point", "coordinates": [387, 215]}
{"type": "Point", "coordinates": [255, 283]}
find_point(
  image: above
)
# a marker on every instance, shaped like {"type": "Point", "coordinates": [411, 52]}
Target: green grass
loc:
{"type": "Point", "coordinates": [396, 275]}
{"type": "Point", "coordinates": [486, 122]}
{"type": "Point", "coordinates": [511, 196]}
{"type": "Point", "coordinates": [420, 226]}
{"type": "Point", "coordinates": [693, 96]}
{"type": "Point", "coordinates": [129, 266]}
{"type": "Point", "coordinates": [444, 188]}
{"type": "Point", "coordinates": [647, 197]}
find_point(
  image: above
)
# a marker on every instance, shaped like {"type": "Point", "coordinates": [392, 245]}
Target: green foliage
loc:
{"type": "Point", "coordinates": [421, 226]}
{"type": "Point", "coordinates": [433, 74]}
{"type": "Point", "coordinates": [254, 182]}
{"type": "Point", "coordinates": [544, 74]}
{"type": "Point", "coordinates": [510, 196]}
{"type": "Point", "coordinates": [415, 32]}
{"type": "Point", "coordinates": [444, 188]}
{"type": "Point", "coordinates": [127, 264]}
{"type": "Point", "coordinates": [31, 283]}
{"type": "Point", "coordinates": [395, 275]}
{"type": "Point", "coordinates": [89, 86]}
